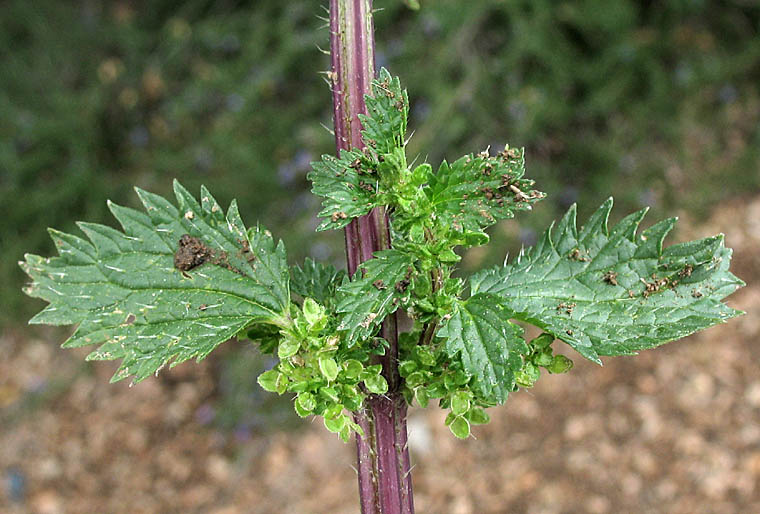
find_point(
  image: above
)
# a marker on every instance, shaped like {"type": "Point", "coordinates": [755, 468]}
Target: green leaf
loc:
{"type": "Point", "coordinates": [306, 402]}
{"type": "Point", "coordinates": [490, 348]}
{"type": "Point", "coordinates": [421, 395]}
{"type": "Point", "coordinates": [288, 347]}
{"type": "Point", "coordinates": [329, 368]}
{"type": "Point", "coordinates": [376, 384]}
{"type": "Point", "coordinates": [335, 424]}
{"type": "Point", "coordinates": [365, 301]}
{"type": "Point", "coordinates": [315, 280]}
{"type": "Point", "coordinates": [347, 193]}
{"type": "Point", "coordinates": [313, 313]}
{"type": "Point", "coordinates": [349, 184]}
{"type": "Point", "coordinates": [331, 394]}
{"type": "Point", "coordinates": [302, 413]}
{"type": "Point", "coordinates": [528, 375]}
{"type": "Point", "coordinates": [478, 416]}
{"type": "Point", "coordinates": [405, 368]}
{"type": "Point", "coordinates": [388, 108]}
{"type": "Point", "coordinates": [415, 379]}
{"type": "Point", "coordinates": [476, 191]}
{"type": "Point", "coordinates": [460, 427]}
{"type": "Point", "coordinates": [560, 364]}
{"type": "Point", "coordinates": [127, 295]}
{"type": "Point", "coordinates": [269, 380]}
{"type": "Point", "coordinates": [460, 403]}
{"type": "Point", "coordinates": [613, 292]}
{"type": "Point", "coordinates": [352, 368]}
{"type": "Point", "coordinates": [371, 371]}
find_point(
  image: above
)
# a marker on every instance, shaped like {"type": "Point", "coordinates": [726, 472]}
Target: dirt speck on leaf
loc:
{"type": "Point", "coordinates": [577, 255]}
{"type": "Point", "coordinates": [192, 252]}
{"type": "Point", "coordinates": [610, 277]}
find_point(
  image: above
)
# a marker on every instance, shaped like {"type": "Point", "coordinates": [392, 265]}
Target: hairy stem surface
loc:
{"type": "Point", "coordinates": [385, 484]}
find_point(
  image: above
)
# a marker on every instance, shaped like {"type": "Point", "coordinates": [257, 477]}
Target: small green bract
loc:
{"type": "Point", "coordinates": [179, 280]}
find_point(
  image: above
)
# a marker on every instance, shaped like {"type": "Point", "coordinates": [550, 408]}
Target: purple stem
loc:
{"type": "Point", "coordinates": [385, 484]}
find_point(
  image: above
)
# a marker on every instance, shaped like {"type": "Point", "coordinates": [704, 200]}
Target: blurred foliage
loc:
{"type": "Point", "coordinates": [656, 103]}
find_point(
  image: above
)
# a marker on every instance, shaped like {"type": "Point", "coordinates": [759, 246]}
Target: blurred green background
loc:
{"type": "Point", "coordinates": [654, 102]}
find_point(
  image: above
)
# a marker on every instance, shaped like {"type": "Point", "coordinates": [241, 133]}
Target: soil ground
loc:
{"type": "Point", "coordinates": [674, 430]}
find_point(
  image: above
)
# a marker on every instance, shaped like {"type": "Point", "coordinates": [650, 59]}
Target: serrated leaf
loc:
{"type": "Point", "coordinates": [348, 184]}
{"type": "Point", "coordinates": [478, 190]}
{"type": "Point", "coordinates": [315, 280]}
{"type": "Point", "coordinates": [378, 288]}
{"type": "Point", "coordinates": [127, 296]}
{"type": "Point", "coordinates": [489, 346]}
{"type": "Point", "coordinates": [613, 292]}
{"type": "Point", "coordinates": [346, 193]}
{"type": "Point", "coordinates": [387, 111]}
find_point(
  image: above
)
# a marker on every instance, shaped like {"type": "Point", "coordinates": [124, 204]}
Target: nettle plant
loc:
{"type": "Point", "coordinates": [181, 279]}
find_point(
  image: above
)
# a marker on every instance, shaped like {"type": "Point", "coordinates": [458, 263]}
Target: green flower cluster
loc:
{"type": "Point", "coordinates": [541, 356]}
{"type": "Point", "coordinates": [430, 374]}
{"type": "Point", "coordinates": [327, 378]}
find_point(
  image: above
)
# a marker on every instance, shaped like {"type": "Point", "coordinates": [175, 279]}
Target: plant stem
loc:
{"type": "Point", "coordinates": [385, 484]}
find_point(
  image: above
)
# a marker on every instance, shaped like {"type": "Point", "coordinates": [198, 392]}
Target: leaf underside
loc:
{"type": "Point", "coordinates": [124, 291]}
{"type": "Point", "coordinates": [613, 292]}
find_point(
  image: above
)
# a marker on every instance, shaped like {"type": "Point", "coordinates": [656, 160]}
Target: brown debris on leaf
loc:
{"type": "Point", "coordinates": [369, 319]}
{"type": "Point", "coordinates": [222, 261]}
{"type": "Point", "coordinates": [191, 253]}
{"type": "Point", "coordinates": [519, 195]}
{"type": "Point", "coordinates": [610, 277]}
{"type": "Point", "coordinates": [509, 153]}
{"type": "Point", "coordinates": [401, 285]}
{"type": "Point", "coordinates": [338, 216]}
{"type": "Point", "coordinates": [655, 286]}
{"type": "Point", "coordinates": [245, 251]}
{"type": "Point", "coordinates": [576, 255]}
